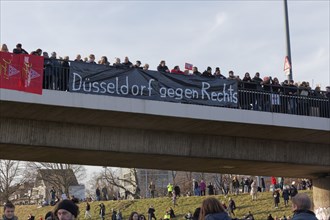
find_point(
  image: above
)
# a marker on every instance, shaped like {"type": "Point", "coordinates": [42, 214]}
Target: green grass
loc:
{"type": "Point", "coordinates": [260, 208]}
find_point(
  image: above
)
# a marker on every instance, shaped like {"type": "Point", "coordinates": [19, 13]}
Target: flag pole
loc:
{"type": "Point", "coordinates": [287, 33]}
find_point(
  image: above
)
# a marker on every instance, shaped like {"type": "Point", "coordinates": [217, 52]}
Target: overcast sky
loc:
{"type": "Point", "coordinates": [243, 36]}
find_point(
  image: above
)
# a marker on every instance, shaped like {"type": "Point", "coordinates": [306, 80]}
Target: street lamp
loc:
{"type": "Point", "coordinates": [287, 33]}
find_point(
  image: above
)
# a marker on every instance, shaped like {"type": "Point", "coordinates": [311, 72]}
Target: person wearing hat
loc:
{"type": "Point", "coordinates": [138, 64]}
{"type": "Point", "coordinates": [19, 49]}
{"type": "Point", "coordinates": [49, 216]}
{"type": "Point", "coordinates": [208, 72]}
{"type": "Point", "coordinates": [218, 74]}
{"type": "Point", "coordinates": [66, 210]}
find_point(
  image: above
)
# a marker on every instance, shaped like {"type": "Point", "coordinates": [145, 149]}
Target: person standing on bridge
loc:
{"type": "Point", "coordinates": [162, 67]}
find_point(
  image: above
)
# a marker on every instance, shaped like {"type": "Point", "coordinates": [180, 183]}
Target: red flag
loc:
{"type": "Point", "coordinates": [188, 66]}
{"type": "Point", "coordinates": [21, 72]}
{"type": "Point", "coordinates": [10, 71]}
{"type": "Point", "coordinates": [32, 73]}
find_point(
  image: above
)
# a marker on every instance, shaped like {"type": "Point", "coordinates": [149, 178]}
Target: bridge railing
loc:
{"type": "Point", "coordinates": [251, 96]}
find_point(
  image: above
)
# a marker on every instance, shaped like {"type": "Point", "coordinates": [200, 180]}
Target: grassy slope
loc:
{"type": "Point", "coordinates": [260, 208]}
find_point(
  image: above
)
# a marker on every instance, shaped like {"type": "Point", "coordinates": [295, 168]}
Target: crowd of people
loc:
{"type": "Point", "coordinates": [267, 83]}
{"type": "Point", "coordinates": [210, 209]}
{"type": "Point", "coordinates": [295, 97]}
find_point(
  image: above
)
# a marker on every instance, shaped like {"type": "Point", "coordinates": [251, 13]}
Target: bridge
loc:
{"type": "Point", "coordinates": [126, 132]}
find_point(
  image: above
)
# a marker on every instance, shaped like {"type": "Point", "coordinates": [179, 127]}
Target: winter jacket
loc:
{"type": "Point", "coordinates": [5, 218]}
{"type": "Point", "coordinates": [218, 216]}
{"type": "Point", "coordinates": [285, 194]}
{"type": "Point", "coordinates": [163, 69]}
{"type": "Point", "coordinates": [303, 215]}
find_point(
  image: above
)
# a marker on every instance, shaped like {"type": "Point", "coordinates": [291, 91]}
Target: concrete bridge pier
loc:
{"type": "Point", "coordinates": [321, 197]}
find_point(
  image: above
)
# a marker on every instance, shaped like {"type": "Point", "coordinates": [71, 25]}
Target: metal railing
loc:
{"type": "Point", "coordinates": [251, 96]}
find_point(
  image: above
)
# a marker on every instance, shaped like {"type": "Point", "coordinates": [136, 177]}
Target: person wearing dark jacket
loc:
{"type": "Point", "coordinates": [9, 212]}
{"type": "Point", "coordinates": [208, 72]}
{"type": "Point", "coordinates": [286, 195]}
{"type": "Point", "coordinates": [196, 72]}
{"type": "Point", "coordinates": [102, 211]}
{"type": "Point", "coordinates": [301, 206]}
{"type": "Point", "coordinates": [19, 50]}
{"type": "Point", "coordinates": [151, 213]}
{"type": "Point", "coordinates": [66, 210]}
{"type": "Point", "coordinates": [257, 78]}
{"type": "Point", "coordinates": [249, 216]}
{"type": "Point", "coordinates": [210, 189]}
{"type": "Point", "coordinates": [270, 217]}
{"type": "Point", "coordinates": [248, 82]}
{"type": "Point", "coordinates": [276, 195]}
{"type": "Point", "coordinates": [98, 194]}
{"type": "Point", "coordinates": [211, 209]}
{"type": "Point", "coordinates": [162, 67]}
{"type": "Point", "coordinates": [217, 74]}
{"type": "Point", "coordinates": [127, 63]}
{"type": "Point", "coordinates": [138, 65]}
{"type": "Point", "coordinates": [293, 189]}
{"type": "Point", "coordinates": [63, 80]}
{"type": "Point", "coordinates": [177, 191]}
{"type": "Point", "coordinates": [196, 213]}
{"type": "Point", "coordinates": [114, 215]}
{"type": "Point", "coordinates": [37, 52]}
{"type": "Point", "coordinates": [231, 206]}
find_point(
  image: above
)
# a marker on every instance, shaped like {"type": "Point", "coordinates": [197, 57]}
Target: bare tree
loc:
{"type": "Point", "coordinates": [57, 174]}
{"type": "Point", "coordinates": [128, 183]}
{"type": "Point", "coordinates": [174, 177]}
{"type": "Point", "coordinates": [10, 178]}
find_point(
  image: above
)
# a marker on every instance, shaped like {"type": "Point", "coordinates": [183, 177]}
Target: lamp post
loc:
{"type": "Point", "coordinates": [287, 33]}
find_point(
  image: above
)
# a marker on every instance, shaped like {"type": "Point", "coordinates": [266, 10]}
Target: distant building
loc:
{"type": "Point", "coordinates": [22, 196]}
{"type": "Point", "coordinates": [61, 180]}
{"type": "Point", "coordinates": [159, 177]}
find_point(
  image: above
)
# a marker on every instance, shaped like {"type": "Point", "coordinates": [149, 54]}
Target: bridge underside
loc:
{"type": "Point", "coordinates": [150, 161]}
{"type": "Point", "coordinates": [111, 131]}
{"type": "Point", "coordinates": [34, 140]}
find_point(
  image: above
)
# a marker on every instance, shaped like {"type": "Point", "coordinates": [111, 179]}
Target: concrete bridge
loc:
{"type": "Point", "coordinates": [111, 131]}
